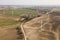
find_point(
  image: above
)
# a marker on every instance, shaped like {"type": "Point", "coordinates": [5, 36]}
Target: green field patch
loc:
{"type": "Point", "coordinates": [6, 22]}
{"type": "Point", "coordinates": [17, 12]}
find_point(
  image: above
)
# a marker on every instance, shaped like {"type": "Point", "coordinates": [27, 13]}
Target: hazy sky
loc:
{"type": "Point", "coordinates": [29, 2]}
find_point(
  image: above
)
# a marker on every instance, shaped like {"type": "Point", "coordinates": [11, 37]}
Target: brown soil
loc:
{"type": "Point", "coordinates": [11, 33]}
{"type": "Point", "coordinates": [34, 32]}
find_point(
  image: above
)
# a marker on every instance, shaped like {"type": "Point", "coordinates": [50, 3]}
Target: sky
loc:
{"type": "Point", "coordinates": [29, 2]}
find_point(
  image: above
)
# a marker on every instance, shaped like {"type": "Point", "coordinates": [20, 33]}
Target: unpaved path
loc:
{"type": "Point", "coordinates": [33, 30]}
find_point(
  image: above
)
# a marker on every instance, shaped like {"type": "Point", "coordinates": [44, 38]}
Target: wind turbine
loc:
{"type": "Point", "coordinates": [3, 10]}
{"type": "Point", "coordinates": [12, 10]}
{"type": "Point", "coordinates": [48, 18]}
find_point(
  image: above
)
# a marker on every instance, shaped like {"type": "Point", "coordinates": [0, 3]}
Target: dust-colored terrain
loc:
{"type": "Point", "coordinates": [45, 27]}
{"type": "Point", "coordinates": [9, 32]}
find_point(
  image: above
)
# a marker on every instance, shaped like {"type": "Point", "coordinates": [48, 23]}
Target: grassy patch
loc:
{"type": "Point", "coordinates": [6, 22]}
{"type": "Point", "coordinates": [17, 12]}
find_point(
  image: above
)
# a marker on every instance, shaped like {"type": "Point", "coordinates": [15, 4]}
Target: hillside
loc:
{"type": "Point", "coordinates": [42, 28]}
{"type": "Point", "coordinates": [39, 26]}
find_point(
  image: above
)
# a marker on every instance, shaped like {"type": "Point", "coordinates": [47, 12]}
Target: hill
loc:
{"type": "Point", "coordinates": [42, 28]}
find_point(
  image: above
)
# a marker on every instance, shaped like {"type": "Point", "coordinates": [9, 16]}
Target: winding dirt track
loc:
{"type": "Point", "coordinates": [32, 33]}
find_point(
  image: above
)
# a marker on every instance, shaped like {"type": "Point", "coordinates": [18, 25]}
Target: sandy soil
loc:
{"type": "Point", "coordinates": [8, 33]}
